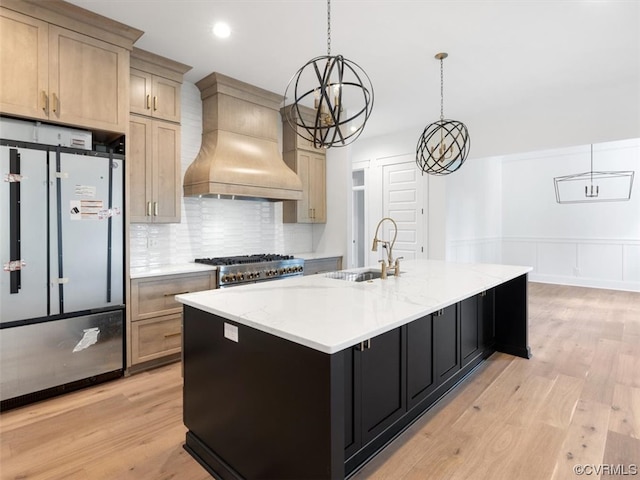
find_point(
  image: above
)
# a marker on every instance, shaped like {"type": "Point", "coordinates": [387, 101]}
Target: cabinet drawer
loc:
{"type": "Point", "coordinates": [152, 297]}
{"type": "Point", "coordinates": [156, 338]}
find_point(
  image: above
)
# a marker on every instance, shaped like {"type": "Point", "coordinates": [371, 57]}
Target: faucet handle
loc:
{"type": "Point", "coordinates": [396, 269]}
{"type": "Point", "coordinates": [384, 269]}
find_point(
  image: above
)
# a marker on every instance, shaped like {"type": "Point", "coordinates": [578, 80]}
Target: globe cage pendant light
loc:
{"type": "Point", "coordinates": [444, 145]}
{"type": "Point", "coordinates": [341, 94]}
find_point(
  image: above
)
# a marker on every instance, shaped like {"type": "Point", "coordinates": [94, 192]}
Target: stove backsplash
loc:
{"type": "Point", "coordinates": [214, 227]}
{"type": "Point", "coordinates": [218, 228]}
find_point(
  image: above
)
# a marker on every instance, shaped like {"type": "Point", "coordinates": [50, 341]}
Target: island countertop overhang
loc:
{"type": "Point", "coordinates": [329, 314]}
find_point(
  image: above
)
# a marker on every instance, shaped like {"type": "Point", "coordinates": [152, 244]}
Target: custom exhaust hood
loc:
{"type": "Point", "coordinates": [240, 156]}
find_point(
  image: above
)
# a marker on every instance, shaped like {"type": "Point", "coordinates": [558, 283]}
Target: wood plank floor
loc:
{"type": "Point", "coordinates": [576, 402]}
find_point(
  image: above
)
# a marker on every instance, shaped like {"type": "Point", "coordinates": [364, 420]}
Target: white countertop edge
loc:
{"type": "Point", "coordinates": [199, 300]}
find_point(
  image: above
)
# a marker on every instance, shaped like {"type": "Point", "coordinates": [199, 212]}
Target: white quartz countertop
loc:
{"type": "Point", "coordinates": [330, 314]}
{"type": "Point", "coordinates": [174, 269]}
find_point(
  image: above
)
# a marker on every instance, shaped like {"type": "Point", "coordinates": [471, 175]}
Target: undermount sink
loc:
{"type": "Point", "coordinates": [357, 276]}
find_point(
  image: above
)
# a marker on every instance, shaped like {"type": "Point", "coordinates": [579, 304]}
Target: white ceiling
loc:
{"type": "Point", "coordinates": [504, 55]}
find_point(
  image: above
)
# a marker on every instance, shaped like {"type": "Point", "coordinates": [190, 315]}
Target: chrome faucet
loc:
{"type": "Point", "coordinates": [388, 266]}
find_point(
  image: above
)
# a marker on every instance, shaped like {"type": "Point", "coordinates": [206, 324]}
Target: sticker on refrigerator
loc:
{"type": "Point", "coordinates": [86, 209]}
{"type": "Point", "coordinates": [85, 191]}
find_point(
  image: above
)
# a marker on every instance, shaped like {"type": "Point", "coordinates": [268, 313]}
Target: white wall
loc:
{"type": "Point", "coordinates": [590, 244]}
{"type": "Point", "coordinates": [474, 212]}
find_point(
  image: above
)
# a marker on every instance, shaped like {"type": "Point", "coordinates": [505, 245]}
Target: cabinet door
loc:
{"type": "Point", "coordinates": [140, 92]}
{"type": "Point", "coordinates": [303, 165]}
{"type": "Point", "coordinates": [317, 188]}
{"type": "Point", "coordinates": [165, 101]}
{"type": "Point", "coordinates": [166, 172]}
{"type": "Point", "coordinates": [88, 81]}
{"type": "Point", "coordinates": [24, 65]}
{"type": "Point", "coordinates": [383, 397]}
{"type": "Point", "coordinates": [487, 318]}
{"type": "Point", "coordinates": [471, 332]}
{"type": "Point", "coordinates": [446, 343]}
{"type": "Point", "coordinates": [140, 173]}
{"type": "Point", "coordinates": [421, 379]}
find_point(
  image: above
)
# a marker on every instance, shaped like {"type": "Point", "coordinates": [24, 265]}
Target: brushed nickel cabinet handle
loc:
{"type": "Point", "coordinates": [167, 335]}
{"type": "Point", "coordinates": [148, 209]}
{"type": "Point", "coordinates": [56, 104]}
{"type": "Point", "coordinates": [148, 101]}
{"type": "Point", "coordinates": [155, 103]}
{"type": "Point", "coordinates": [155, 209]}
{"type": "Point", "coordinates": [45, 103]}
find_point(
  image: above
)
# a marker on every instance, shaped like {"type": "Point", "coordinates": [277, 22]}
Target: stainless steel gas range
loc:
{"type": "Point", "coordinates": [243, 269]}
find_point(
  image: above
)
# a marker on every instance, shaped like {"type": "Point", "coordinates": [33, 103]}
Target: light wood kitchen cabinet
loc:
{"type": "Point", "coordinates": [310, 164]}
{"type": "Point", "coordinates": [55, 74]}
{"type": "Point", "coordinates": [155, 186]}
{"type": "Point", "coordinates": [154, 171]}
{"type": "Point", "coordinates": [155, 84]}
{"type": "Point", "coordinates": [155, 333]}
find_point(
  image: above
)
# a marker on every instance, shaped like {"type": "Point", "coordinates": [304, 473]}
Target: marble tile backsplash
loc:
{"type": "Point", "coordinates": [214, 227]}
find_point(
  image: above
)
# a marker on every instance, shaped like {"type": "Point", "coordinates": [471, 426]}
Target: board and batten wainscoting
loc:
{"type": "Point", "coordinates": [603, 263]}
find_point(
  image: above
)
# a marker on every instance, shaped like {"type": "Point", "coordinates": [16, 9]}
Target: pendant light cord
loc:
{"type": "Point", "coordinates": [328, 28]}
{"type": "Point", "coordinates": [441, 90]}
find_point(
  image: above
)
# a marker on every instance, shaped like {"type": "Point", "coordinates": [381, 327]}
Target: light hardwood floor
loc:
{"type": "Point", "coordinates": [576, 402]}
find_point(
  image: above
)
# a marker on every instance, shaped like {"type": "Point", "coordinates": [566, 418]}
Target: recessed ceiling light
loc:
{"type": "Point", "coordinates": [221, 30]}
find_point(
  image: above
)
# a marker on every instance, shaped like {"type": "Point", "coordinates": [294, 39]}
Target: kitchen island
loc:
{"type": "Point", "coordinates": [310, 377]}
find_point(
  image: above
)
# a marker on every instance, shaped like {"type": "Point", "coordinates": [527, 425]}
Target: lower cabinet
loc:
{"type": "Point", "coordinates": [375, 390]}
{"type": "Point", "coordinates": [393, 378]}
{"type": "Point", "coordinates": [155, 331]}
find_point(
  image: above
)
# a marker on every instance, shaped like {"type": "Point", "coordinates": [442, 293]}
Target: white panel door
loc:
{"type": "Point", "coordinates": [402, 201]}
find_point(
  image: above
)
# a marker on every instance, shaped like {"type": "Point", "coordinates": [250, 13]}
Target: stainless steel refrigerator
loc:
{"type": "Point", "coordinates": [62, 259]}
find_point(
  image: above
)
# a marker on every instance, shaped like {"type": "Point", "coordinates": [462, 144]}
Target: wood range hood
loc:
{"type": "Point", "coordinates": [240, 157]}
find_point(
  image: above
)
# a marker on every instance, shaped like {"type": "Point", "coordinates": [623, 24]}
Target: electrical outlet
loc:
{"type": "Point", "coordinates": [152, 242]}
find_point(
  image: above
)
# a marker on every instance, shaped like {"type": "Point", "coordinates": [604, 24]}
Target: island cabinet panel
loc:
{"type": "Point", "coordinates": [258, 406]}
{"type": "Point", "coordinates": [421, 378]}
{"type": "Point", "coordinates": [375, 377]}
{"type": "Point", "coordinates": [471, 332]}
{"type": "Point", "coordinates": [512, 318]}
{"type": "Point", "coordinates": [446, 347]}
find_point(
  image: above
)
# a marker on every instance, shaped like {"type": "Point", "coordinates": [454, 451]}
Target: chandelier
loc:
{"type": "Point", "coordinates": [341, 94]}
{"type": "Point", "coordinates": [444, 145]}
{"type": "Point", "coordinates": [617, 186]}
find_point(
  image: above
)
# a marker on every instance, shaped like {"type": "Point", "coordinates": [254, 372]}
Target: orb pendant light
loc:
{"type": "Point", "coordinates": [444, 145]}
{"type": "Point", "coordinates": [340, 93]}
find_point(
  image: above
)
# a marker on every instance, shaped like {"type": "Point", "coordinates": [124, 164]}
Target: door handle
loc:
{"type": "Point", "coordinates": [155, 209]}
{"type": "Point", "coordinates": [155, 103]}
{"type": "Point", "coordinates": [56, 104]}
{"type": "Point", "coordinates": [148, 209]}
{"type": "Point", "coordinates": [148, 102]}
{"type": "Point", "coordinates": [45, 102]}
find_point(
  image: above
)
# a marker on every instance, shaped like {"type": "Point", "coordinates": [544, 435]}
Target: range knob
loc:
{"type": "Point", "coordinates": [225, 278]}
{"type": "Point", "coordinates": [256, 275]}
{"type": "Point", "coordinates": [241, 276]}
{"type": "Point", "coordinates": [280, 271]}
{"type": "Point", "coordinates": [251, 275]}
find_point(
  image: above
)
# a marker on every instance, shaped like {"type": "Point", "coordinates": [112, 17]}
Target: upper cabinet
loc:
{"type": "Point", "coordinates": [155, 85]}
{"type": "Point", "coordinates": [154, 138]}
{"type": "Point", "coordinates": [63, 64]}
{"type": "Point", "coordinates": [310, 164]}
